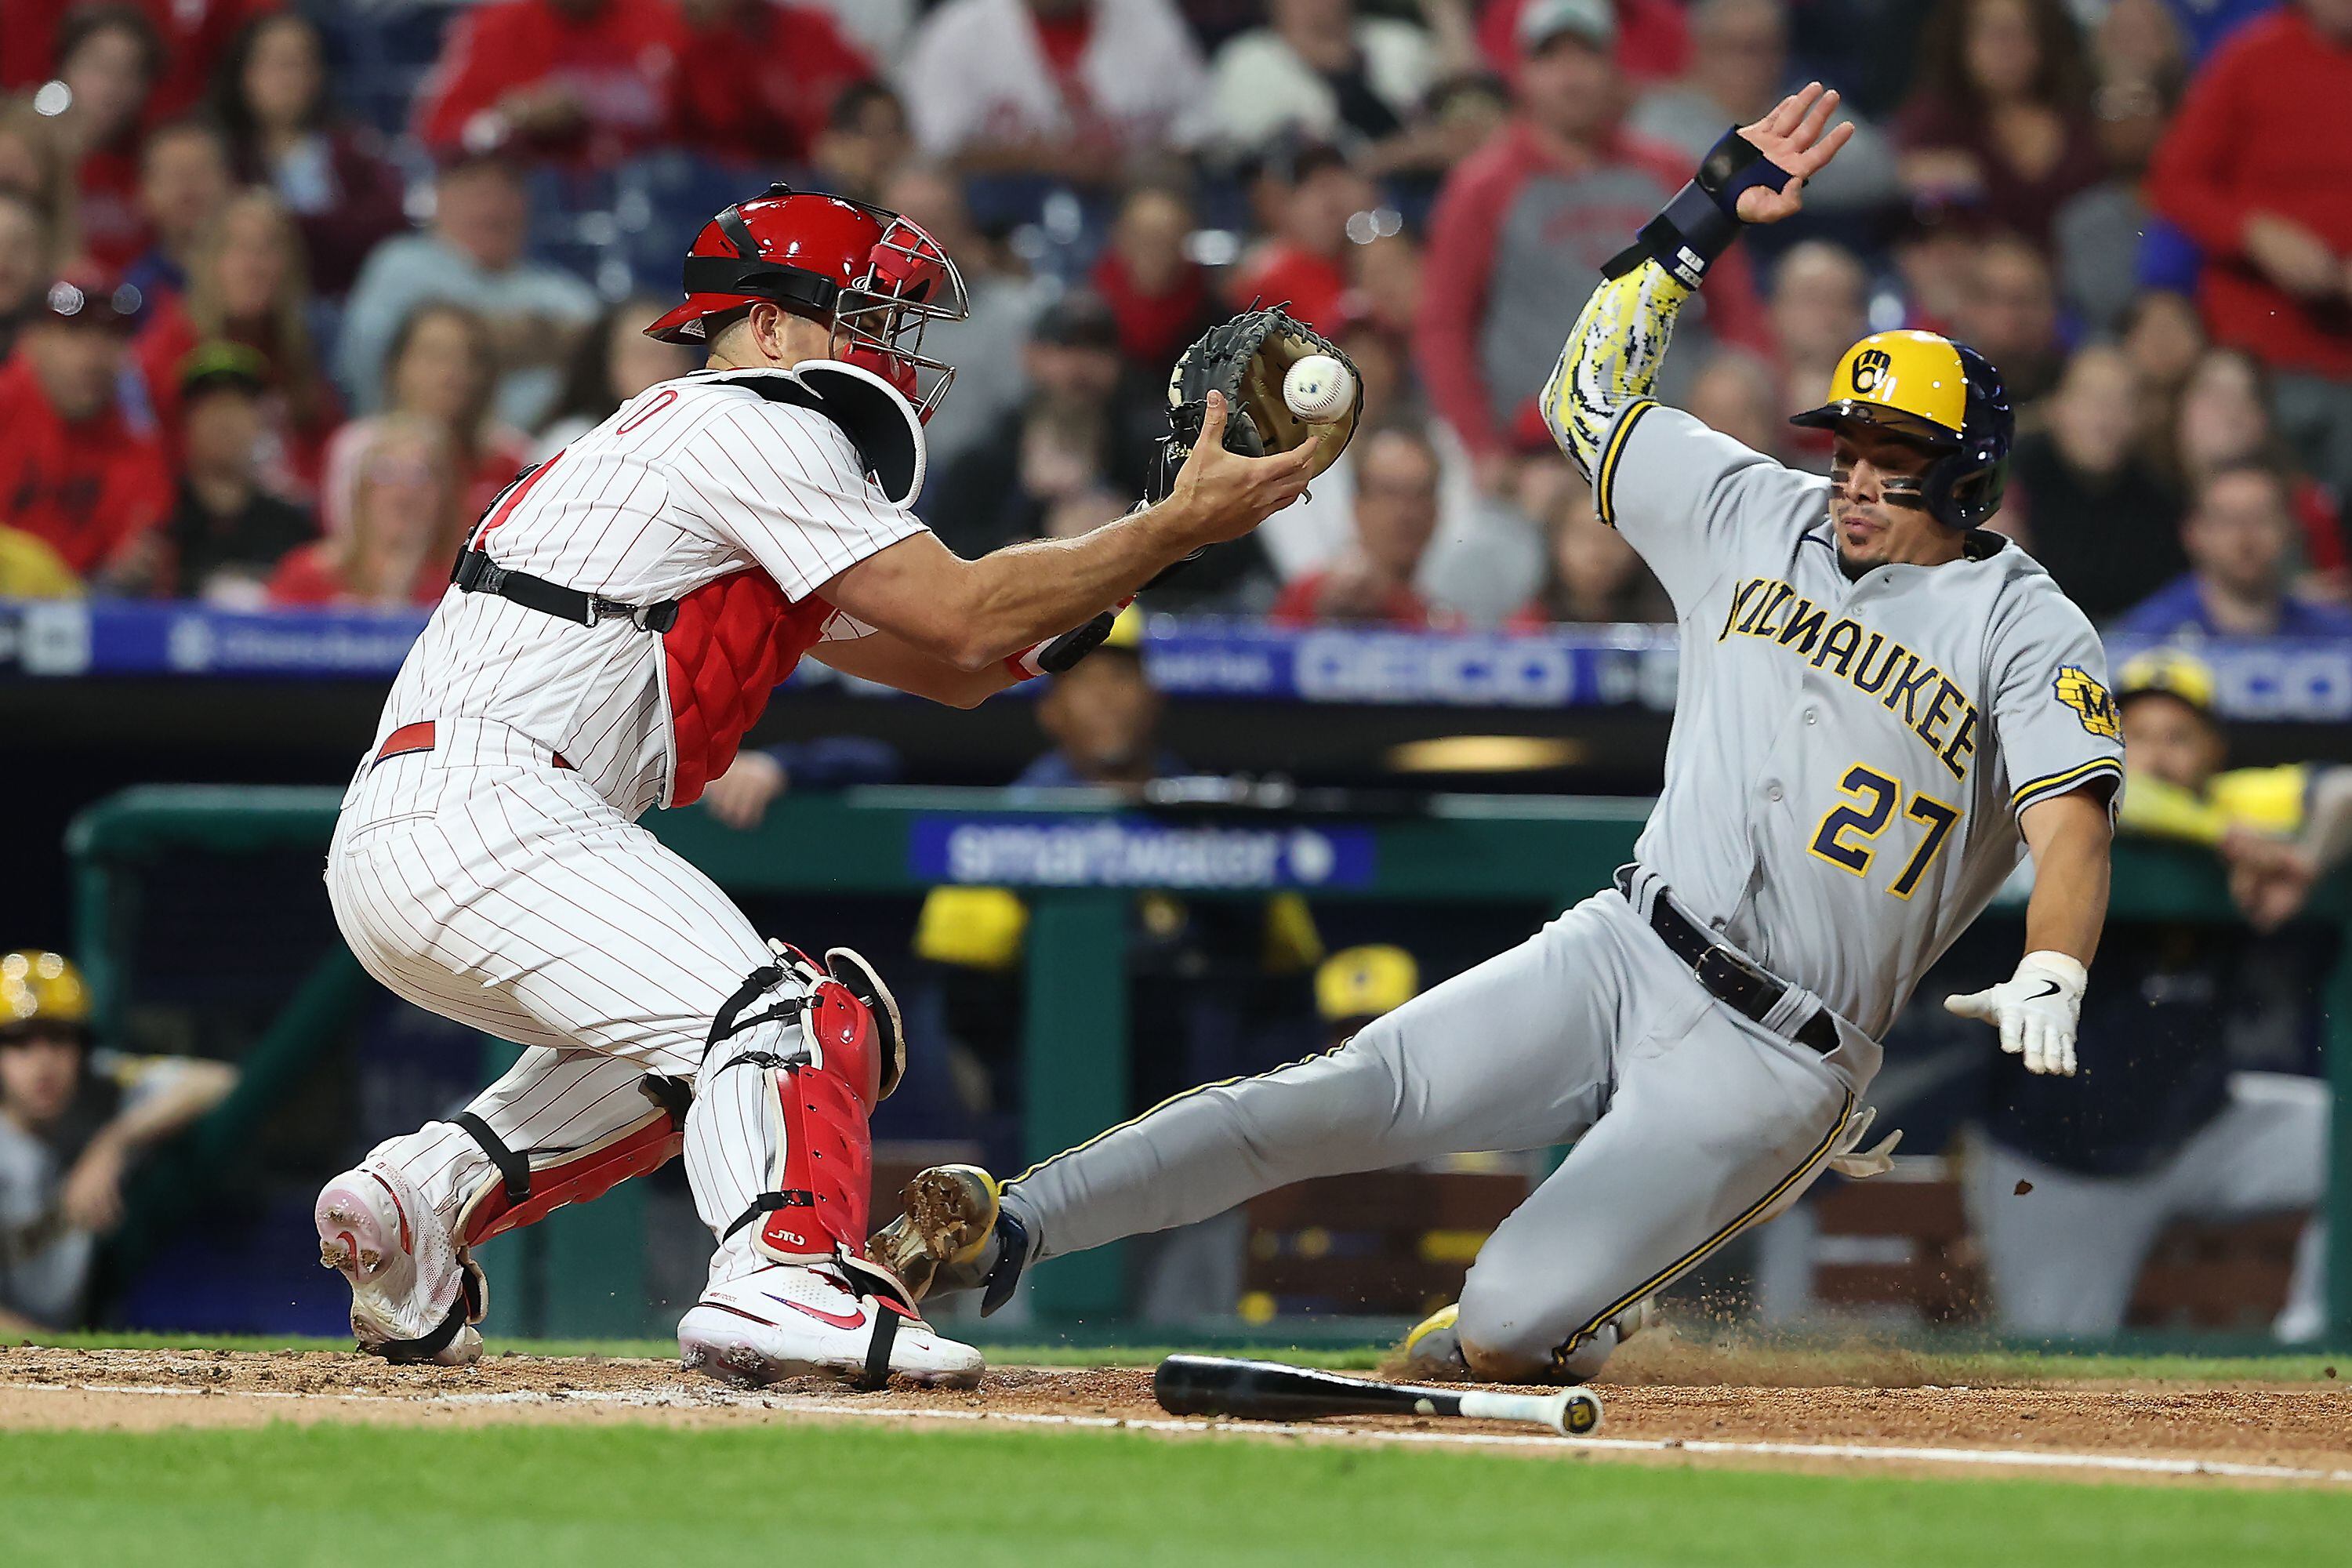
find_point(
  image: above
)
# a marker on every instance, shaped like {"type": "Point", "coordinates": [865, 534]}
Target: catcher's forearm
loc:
{"type": "Point", "coordinates": [1027, 593]}
{"type": "Point", "coordinates": [1610, 359]}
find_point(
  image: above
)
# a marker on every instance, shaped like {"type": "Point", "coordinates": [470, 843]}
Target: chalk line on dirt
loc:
{"type": "Point", "coordinates": [2021, 1459]}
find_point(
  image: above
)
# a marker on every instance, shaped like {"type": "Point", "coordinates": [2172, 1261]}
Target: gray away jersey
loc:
{"type": "Point", "coordinates": [1848, 758]}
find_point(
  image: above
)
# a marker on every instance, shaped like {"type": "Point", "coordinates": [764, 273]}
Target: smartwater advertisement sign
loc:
{"type": "Point", "coordinates": [1124, 852]}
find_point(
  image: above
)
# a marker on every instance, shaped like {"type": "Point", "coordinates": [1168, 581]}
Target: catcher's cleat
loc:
{"type": "Point", "coordinates": [954, 1236]}
{"type": "Point", "coordinates": [799, 1320]}
{"type": "Point", "coordinates": [416, 1295]}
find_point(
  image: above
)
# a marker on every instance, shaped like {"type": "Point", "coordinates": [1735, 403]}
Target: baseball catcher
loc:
{"type": "Point", "coordinates": [1882, 706]}
{"type": "Point", "coordinates": [612, 629]}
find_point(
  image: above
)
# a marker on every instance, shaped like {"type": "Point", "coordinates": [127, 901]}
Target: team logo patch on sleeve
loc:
{"type": "Point", "coordinates": [2080, 690]}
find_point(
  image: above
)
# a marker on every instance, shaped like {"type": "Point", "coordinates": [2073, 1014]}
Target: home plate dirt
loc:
{"type": "Point", "coordinates": [2246, 1434]}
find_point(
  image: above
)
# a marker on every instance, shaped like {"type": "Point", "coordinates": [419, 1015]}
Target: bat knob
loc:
{"type": "Point", "coordinates": [1578, 1415]}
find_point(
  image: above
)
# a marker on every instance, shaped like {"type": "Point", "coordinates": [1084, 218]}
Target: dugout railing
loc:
{"type": "Point", "coordinates": [1077, 861]}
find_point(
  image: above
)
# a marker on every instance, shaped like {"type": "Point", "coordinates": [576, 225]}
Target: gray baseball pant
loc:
{"type": "Point", "coordinates": [1689, 1121]}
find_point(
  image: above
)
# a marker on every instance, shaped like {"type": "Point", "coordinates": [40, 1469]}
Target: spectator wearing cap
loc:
{"type": "Point", "coordinates": [472, 255]}
{"type": "Point", "coordinates": [27, 263]}
{"type": "Point", "coordinates": [1521, 228]}
{"type": "Point", "coordinates": [2240, 538]}
{"type": "Point", "coordinates": [183, 179]}
{"type": "Point", "coordinates": [1073, 433]}
{"type": "Point", "coordinates": [2071, 1186]}
{"type": "Point", "coordinates": [272, 100]}
{"type": "Point", "coordinates": [2002, 111]}
{"type": "Point", "coordinates": [74, 472]}
{"type": "Point", "coordinates": [107, 57]}
{"type": "Point", "coordinates": [1652, 40]}
{"type": "Point", "coordinates": [191, 38]}
{"type": "Point", "coordinates": [400, 534]}
{"type": "Point", "coordinates": [1313, 205]}
{"type": "Point", "coordinates": [1063, 90]}
{"type": "Point", "coordinates": [229, 532]}
{"type": "Point", "coordinates": [2087, 505]}
{"type": "Point", "coordinates": [75, 1118]}
{"type": "Point", "coordinates": [2256, 169]}
{"type": "Point", "coordinates": [1319, 69]}
{"type": "Point", "coordinates": [1738, 70]}
{"type": "Point", "coordinates": [2222, 415]}
{"type": "Point", "coordinates": [756, 81]}
{"type": "Point", "coordinates": [1396, 516]}
{"type": "Point", "coordinates": [246, 285]}
{"type": "Point", "coordinates": [579, 82]}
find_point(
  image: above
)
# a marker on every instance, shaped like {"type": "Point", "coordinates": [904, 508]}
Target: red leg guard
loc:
{"type": "Point", "coordinates": [828, 1143]}
{"type": "Point", "coordinates": [572, 1177]}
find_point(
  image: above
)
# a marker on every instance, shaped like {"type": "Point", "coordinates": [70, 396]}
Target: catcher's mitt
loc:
{"type": "Point", "coordinates": [1246, 359]}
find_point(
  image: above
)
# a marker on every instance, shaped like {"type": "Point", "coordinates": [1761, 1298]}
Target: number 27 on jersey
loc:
{"type": "Point", "coordinates": [1846, 836]}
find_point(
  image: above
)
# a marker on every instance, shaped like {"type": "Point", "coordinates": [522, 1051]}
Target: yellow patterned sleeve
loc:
{"type": "Point", "coordinates": [1610, 360]}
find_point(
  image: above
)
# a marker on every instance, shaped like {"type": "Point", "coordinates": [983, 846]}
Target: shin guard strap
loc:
{"type": "Point", "coordinates": [513, 1167]}
{"type": "Point", "coordinates": [768, 1204]}
{"type": "Point", "coordinates": [878, 1349]}
{"type": "Point", "coordinates": [425, 1347]}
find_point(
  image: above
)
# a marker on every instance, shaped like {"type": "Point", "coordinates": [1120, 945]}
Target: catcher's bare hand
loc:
{"type": "Point", "coordinates": [1795, 136]}
{"type": "Point", "coordinates": [1223, 495]}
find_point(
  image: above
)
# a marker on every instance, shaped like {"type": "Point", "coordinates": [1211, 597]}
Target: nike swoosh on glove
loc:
{"type": "Point", "coordinates": [2035, 1009]}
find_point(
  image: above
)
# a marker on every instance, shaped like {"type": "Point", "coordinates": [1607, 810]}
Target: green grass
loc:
{"type": "Point", "coordinates": [1987, 1366]}
{"type": "Point", "coordinates": [633, 1494]}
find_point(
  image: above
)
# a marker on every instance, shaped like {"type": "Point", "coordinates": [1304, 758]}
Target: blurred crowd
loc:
{"type": "Point", "coordinates": [290, 289]}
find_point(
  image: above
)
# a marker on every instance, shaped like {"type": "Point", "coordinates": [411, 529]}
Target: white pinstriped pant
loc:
{"type": "Point", "coordinates": [480, 881]}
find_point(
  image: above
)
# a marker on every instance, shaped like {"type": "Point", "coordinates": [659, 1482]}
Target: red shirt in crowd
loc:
{"type": "Point", "coordinates": [1314, 286]}
{"type": "Point", "coordinates": [1153, 329]}
{"type": "Point", "coordinates": [1653, 37]}
{"type": "Point", "coordinates": [616, 64]}
{"type": "Point", "coordinates": [2266, 128]}
{"type": "Point", "coordinates": [196, 34]}
{"type": "Point", "coordinates": [114, 229]}
{"type": "Point", "coordinates": [1493, 315]}
{"type": "Point", "coordinates": [760, 85]}
{"type": "Point", "coordinates": [85, 488]}
{"type": "Point", "coordinates": [1300, 604]}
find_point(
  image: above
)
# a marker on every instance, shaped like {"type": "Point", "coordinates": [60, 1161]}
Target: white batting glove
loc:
{"type": "Point", "coordinates": [2035, 1009]}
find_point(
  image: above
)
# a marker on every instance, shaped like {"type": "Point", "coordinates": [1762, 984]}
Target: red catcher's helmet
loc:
{"type": "Point", "coordinates": [873, 276]}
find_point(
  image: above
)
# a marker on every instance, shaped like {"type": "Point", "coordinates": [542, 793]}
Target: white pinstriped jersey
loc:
{"type": "Point", "coordinates": [689, 481]}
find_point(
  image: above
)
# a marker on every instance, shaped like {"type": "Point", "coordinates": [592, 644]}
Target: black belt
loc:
{"type": "Point", "coordinates": [476, 572]}
{"type": "Point", "coordinates": [1727, 975]}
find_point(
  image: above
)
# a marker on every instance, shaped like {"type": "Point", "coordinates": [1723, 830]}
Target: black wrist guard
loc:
{"type": "Point", "coordinates": [1703, 219]}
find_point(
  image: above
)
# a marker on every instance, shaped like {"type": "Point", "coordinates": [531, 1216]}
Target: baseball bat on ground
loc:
{"type": "Point", "coordinates": [1269, 1391]}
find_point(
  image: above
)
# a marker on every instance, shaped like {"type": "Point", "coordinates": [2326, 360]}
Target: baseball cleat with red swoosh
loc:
{"type": "Point", "coordinates": [790, 1320]}
{"type": "Point", "coordinates": [411, 1296]}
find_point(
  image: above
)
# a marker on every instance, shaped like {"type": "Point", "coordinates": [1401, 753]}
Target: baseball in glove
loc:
{"type": "Point", "coordinates": [1246, 359]}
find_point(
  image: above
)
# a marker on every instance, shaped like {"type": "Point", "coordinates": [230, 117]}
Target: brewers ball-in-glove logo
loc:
{"type": "Point", "coordinates": [2080, 690]}
{"type": "Point", "coordinates": [1870, 368]}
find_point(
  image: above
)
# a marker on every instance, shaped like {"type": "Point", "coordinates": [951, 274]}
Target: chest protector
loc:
{"type": "Point", "coordinates": [734, 639]}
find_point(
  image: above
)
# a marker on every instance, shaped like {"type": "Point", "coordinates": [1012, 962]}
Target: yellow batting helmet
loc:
{"type": "Point", "coordinates": [1943, 394]}
{"type": "Point", "coordinates": [41, 989]}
